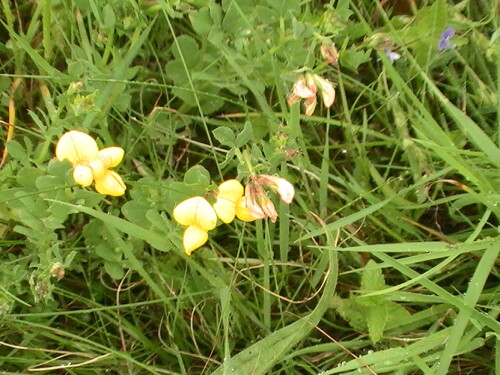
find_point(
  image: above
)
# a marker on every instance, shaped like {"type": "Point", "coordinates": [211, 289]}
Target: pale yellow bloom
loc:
{"type": "Point", "coordinates": [199, 217]}
{"type": "Point", "coordinates": [90, 164]}
{"type": "Point", "coordinates": [228, 204]}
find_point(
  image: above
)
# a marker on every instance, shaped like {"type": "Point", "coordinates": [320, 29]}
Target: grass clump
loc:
{"type": "Point", "coordinates": [384, 117]}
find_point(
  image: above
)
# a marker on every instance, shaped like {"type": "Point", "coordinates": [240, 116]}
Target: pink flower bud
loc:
{"type": "Point", "coordinates": [330, 54]}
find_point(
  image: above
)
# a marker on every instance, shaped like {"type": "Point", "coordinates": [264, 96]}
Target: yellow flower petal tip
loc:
{"type": "Point", "coordinates": [193, 238]}
{"type": "Point", "coordinates": [111, 156]}
{"type": "Point", "coordinates": [231, 190]}
{"type": "Point", "coordinates": [82, 174]}
{"type": "Point", "coordinates": [76, 147]}
{"type": "Point", "coordinates": [196, 211]}
{"type": "Point", "coordinates": [110, 184]}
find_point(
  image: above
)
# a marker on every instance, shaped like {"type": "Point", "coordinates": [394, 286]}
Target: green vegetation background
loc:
{"type": "Point", "coordinates": [387, 260]}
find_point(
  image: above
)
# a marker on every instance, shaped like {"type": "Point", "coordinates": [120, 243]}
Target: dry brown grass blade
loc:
{"type": "Point", "coordinates": [12, 118]}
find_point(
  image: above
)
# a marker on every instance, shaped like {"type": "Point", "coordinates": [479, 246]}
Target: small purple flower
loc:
{"type": "Point", "coordinates": [444, 39]}
{"type": "Point", "coordinates": [391, 55]}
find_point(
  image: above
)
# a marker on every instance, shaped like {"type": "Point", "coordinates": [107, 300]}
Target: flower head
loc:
{"type": "Point", "coordinates": [444, 39]}
{"type": "Point", "coordinates": [306, 87]}
{"type": "Point", "coordinates": [302, 89]}
{"type": "Point", "coordinates": [199, 216]}
{"type": "Point", "coordinates": [90, 164]}
{"type": "Point", "coordinates": [257, 200]}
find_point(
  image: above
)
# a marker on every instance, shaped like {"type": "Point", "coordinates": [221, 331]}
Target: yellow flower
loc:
{"type": "Point", "coordinates": [199, 217]}
{"type": "Point", "coordinates": [90, 164]}
{"type": "Point", "coordinates": [229, 202]}
{"type": "Point", "coordinates": [243, 212]}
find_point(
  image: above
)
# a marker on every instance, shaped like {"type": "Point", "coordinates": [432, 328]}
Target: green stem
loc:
{"type": "Point", "coordinates": [264, 251]}
{"type": "Point", "coordinates": [46, 30]}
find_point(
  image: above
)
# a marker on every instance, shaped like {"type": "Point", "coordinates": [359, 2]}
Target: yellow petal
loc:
{"type": "Point", "coordinates": [76, 146]}
{"type": "Point", "coordinates": [242, 211]}
{"type": "Point", "coordinates": [229, 194]}
{"type": "Point", "coordinates": [111, 184]}
{"type": "Point", "coordinates": [194, 237]}
{"type": "Point", "coordinates": [98, 168]}
{"type": "Point", "coordinates": [225, 210]}
{"type": "Point", "coordinates": [196, 211]}
{"type": "Point", "coordinates": [111, 156]}
{"type": "Point", "coordinates": [82, 174]}
{"type": "Point", "coordinates": [231, 190]}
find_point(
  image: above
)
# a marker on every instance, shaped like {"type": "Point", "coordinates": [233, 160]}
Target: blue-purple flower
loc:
{"type": "Point", "coordinates": [444, 39]}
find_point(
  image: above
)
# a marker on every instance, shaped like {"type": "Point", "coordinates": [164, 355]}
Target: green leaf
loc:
{"type": "Point", "coordinates": [225, 136]}
{"type": "Point", "coordinates": [351, 311]}
{"type": "Point", "coordinates": [27, 177]}
{"type": "Point", "coordinates": [372, 278]}
{"type": "Point", "coordinates": [17, 151]}
{"type": "Point", "coordinates": [246, 135]}
{"type": "Point", "coordinates": [352, 59]}
{"type": "Point", "coordinates": [186, 49]}
{"type": "Point", "coordinates": [197, 175]}
{"type": "Point", "coordinates": [376, 318]}
{"type": "Point", "coordinates": [135, 212]}
{"type": "Point", "coordinates": [202, 22]}
{"type": "Point", "coordinates": [109, 16]}
{"type": "Point", "coordinates": [106, 252]}
{"type": "Point", "coordinates": [397, 315]}
{"type": "Point", "coordinates": [114, 270]}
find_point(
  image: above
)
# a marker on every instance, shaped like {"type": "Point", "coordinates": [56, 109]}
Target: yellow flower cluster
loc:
{"type": "Point", "coordinates": [199, 216]}
{"type": "Point", "coordinates": [91, 164]}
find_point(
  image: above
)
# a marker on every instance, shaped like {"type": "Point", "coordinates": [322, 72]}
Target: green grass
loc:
{"type": "Point", "coordinates": [386, 262]}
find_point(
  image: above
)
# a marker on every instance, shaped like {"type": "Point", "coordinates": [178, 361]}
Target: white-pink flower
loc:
{"type": "Point", "coordinates": [257, 200]}
{"type": "Point", "coordinates": [306, 87]}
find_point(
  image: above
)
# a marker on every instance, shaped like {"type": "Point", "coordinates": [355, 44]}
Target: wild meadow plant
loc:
{"type": "Point", "coordinates": [249, 187]}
